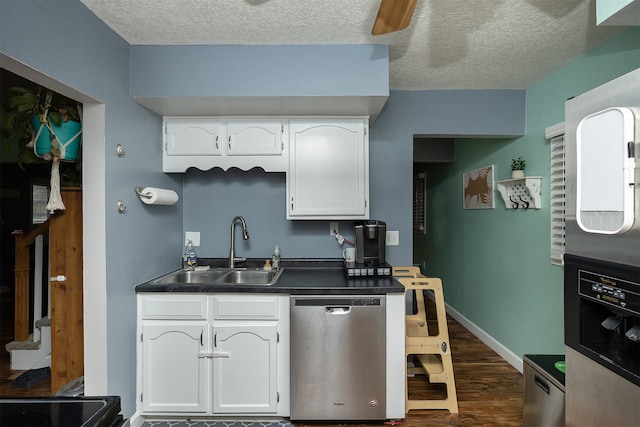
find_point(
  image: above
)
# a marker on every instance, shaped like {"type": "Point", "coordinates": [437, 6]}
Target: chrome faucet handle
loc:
{"type": "Point", "coordinates": [232, 247]}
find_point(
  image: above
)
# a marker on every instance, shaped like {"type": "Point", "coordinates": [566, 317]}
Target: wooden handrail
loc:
{"type": "Point", "coordinates": [21, 273]}
{"type": "Point", "coordinates": [31, 237]}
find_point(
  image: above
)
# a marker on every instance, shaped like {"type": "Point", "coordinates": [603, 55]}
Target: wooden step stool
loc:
{"type": "Point", "coordinates": [433, 352]}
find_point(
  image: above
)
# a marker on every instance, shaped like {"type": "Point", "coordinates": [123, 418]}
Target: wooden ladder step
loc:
{"type": "Point", "coordinates": [433, 367]}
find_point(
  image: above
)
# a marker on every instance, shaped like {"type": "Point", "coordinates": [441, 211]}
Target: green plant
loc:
{"type": "Point", "coordinates": [17, 132]}
{"type": "Point", "coordinates": [518, 164]}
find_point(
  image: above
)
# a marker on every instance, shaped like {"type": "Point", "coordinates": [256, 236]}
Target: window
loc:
{"type": "Point", "coordinates": [557, 192]}
{"type": "Point", "coordinates": [419, 203]}
{"type": "Point", "coordinates": [39, 201]}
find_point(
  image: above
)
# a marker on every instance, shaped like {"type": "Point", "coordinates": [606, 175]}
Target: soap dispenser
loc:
{"type": "Point", "coordinates": [275, 259]}
{"type": "Point", "coordinates": [189, 259]}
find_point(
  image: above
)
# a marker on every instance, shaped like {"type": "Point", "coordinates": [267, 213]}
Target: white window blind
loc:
{"type": "Point", "coordinates": [419, 203]}
{"type": "Point", "coordinates": [557, 192]}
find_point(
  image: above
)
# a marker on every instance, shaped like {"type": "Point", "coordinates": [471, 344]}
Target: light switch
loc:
{"type": "Point", "coordinates": [194, 236]}
{"type": "Point", "coordinates": [393, 238]}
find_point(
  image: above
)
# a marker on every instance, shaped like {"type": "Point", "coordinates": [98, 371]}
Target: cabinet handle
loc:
{"type": "Point", "coordinates": [292, 203]}
{"type": "Point", "coordinates": [215, 340]}
{"type": "Point", "coordinates": [217, 355]}
{"type": "Point", "coordinates": [229, 142]}
{"type": "Point", "coordinates": [542, 384]}
{"type": "Point", "coordinates": [201, 343]}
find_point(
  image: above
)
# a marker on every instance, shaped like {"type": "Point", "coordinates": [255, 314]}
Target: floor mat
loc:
{"type": "Point", "coordinates": [32, 377]}
{"type": "Point", "coordinates": [217, 423]}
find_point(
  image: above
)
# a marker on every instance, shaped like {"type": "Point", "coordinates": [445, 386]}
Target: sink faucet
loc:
{"type": "Point", "coordinates": [245, 235]}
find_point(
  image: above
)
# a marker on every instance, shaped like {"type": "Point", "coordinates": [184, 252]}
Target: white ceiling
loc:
{"type": "Point", "coordinates": [450, 44]}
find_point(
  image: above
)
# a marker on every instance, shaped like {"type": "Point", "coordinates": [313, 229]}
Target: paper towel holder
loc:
{"type": "Point", "coordinates": [141, 194]}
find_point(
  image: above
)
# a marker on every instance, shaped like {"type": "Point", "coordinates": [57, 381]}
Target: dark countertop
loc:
{"type": "Point", "coordinates": [300, 277]}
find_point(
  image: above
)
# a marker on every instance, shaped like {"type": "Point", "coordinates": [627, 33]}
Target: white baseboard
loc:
{"type": "Point", "coordinates": [136, 420]}
{"type": "Point", "coordinates": [495, 345]}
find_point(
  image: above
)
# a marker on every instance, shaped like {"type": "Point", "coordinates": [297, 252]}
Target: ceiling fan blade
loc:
{"type": "Point", "coordinates": [393, 15]}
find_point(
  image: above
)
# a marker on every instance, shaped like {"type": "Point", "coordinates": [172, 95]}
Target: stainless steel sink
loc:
{"type": "Point", "coordinates": [250, 277]}
{"type": "Point", "coordinates": [181, 276]}
{"type": "Point", "coordinates": [236, 276]}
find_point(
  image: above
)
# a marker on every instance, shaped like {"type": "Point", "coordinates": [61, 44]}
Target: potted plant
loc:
{"type": "Point", "coordinates": [40, 125]}
{"type": "Point", "coordinates": [517, 168]}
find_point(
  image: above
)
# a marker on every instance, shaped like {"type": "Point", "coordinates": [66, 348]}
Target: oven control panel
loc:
{"type": "Point", "coordinates": [610, 290]}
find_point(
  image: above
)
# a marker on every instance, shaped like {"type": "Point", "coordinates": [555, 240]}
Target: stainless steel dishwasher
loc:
{"type": "Point", "coordinates": [338, 363]}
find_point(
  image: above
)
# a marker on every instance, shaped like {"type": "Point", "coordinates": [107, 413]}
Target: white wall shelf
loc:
{"type": "Point", "coordinates": [523, 193]}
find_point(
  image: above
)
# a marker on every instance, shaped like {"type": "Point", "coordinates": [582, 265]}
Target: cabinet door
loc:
{"type": "Point", "coordinates": [328, 169]}
{"type": "Point", "coordinates": [193, 137]}
{"type": "Point", "coordinates": [175, 369]}
{"type": "Point", "coordinates": [244, 367]}
{"type": "Point", "coordinates": [255, 137]}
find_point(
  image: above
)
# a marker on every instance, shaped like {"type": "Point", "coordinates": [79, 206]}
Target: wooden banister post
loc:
{"type": "Point", "coordinates": [21, 301]}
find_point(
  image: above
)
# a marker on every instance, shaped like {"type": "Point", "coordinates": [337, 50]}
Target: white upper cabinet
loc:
{"type": "Point", "coordinates": [328, 175]}
{"type": "Point", "coordinates": [193, 137]}
{"type": "Point", "coordinates": [255, 137]}
{"type": "Point", "coordinates": [208, 142]}
{"type": "Point", "coordinates": [326, 159]}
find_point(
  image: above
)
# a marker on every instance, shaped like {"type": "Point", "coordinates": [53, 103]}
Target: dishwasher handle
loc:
{"type": "Point", "coordinates": [337, 310]}
{"type": "Point", "coordinates": [332, 302]}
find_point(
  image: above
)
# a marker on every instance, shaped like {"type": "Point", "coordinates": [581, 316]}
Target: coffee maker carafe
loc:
{"type": "Point", "coordinates": [371, 237]}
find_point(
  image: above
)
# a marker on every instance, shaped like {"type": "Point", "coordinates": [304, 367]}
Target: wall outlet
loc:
{"type": "Point", "coordinates": [333, 229]}
{"type": "Point", "coordinates": [194, 236]}
{"type": "Point", "coordinates": [393, 238]}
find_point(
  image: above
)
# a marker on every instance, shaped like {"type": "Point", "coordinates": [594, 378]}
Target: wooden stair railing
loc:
{"type": "Point", "coordinates": [65, 259]}
{"type": "Point", "coordinates": [21, 272]}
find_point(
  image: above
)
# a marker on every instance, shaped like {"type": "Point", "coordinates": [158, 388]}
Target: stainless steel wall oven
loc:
{"type": "Point", "coordinates": [602, 313]}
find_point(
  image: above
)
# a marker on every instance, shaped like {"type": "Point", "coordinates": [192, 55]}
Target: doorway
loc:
{"type": "Point", "coordinates": [93, 224]}
{"type": "Point", "coordinates": [427, 151]}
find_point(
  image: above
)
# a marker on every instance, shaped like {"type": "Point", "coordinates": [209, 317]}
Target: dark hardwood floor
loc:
{"type": "Point", "coordinates": [490, 391]}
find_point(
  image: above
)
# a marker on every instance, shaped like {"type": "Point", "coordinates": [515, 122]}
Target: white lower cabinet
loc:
{"type": "Point", "coordinates": [245, 367]}
{"type": "Point", "coordinates": [233, 361]}
{"type": "Point", "coordinates": [174, 375]}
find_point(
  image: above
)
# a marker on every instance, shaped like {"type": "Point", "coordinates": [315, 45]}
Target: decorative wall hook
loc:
{"type": "Point", "coordinates": [514, 204]}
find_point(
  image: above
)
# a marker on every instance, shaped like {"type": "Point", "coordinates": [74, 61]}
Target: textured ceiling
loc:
{"type": "Point", "coordinates": [450, 44]}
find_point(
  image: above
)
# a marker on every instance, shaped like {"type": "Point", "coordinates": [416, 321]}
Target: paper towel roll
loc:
{"type": "Point", "coordinates": [158, 196]}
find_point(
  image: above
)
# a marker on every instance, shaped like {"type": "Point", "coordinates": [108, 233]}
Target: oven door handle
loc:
{"type": "Point", "coordinates": [543, 385]}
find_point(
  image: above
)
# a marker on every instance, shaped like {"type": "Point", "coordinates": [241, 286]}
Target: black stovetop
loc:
{"type": "Point", "coordinates": [60, 411]}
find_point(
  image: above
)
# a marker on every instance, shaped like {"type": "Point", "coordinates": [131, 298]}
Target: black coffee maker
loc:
{"type": "Point", "coordinates": [371, 238]}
